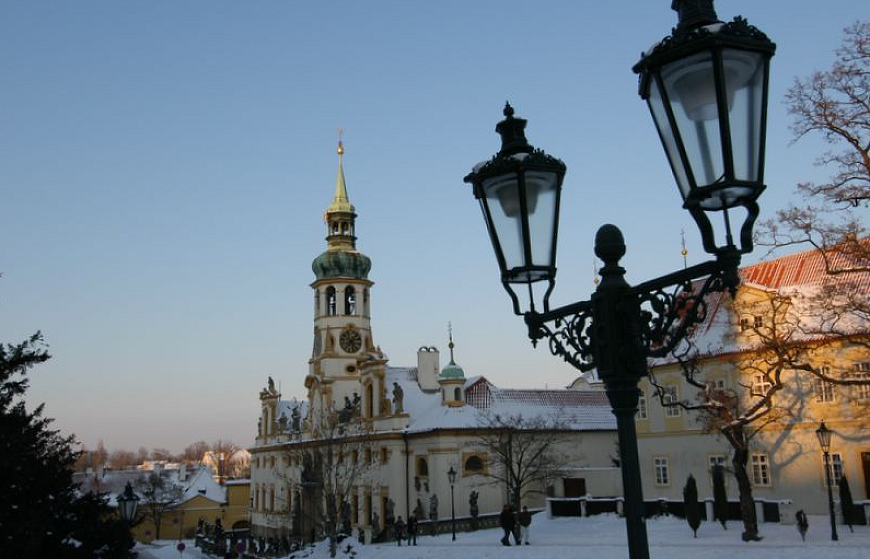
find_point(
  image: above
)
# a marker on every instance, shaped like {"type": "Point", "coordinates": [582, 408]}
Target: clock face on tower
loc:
{"type": "Point", "coordinates": [350, 340]}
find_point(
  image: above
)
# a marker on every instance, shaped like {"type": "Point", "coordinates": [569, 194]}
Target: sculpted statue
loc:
{"type": "Point", "coordinates": [295, 415]}
{"type": "Point", "coordinates": [398, 396]}
{"type": "Point", "coordinates": [472, 503]}
{"type": "Point", "coordinates": [271, 385]}
{"type": "Point", "coordinates": [433, 507]}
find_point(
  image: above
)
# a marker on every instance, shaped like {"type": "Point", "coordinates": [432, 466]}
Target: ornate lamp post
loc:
{"type": "Point", "coordinates": [706, 86]}
{"type": "Point", "coordinates": [127, 503]}
{"type": "Point", "coordinates": [824, 435]}
{"type": "Point", "coordinates": [451, 477]}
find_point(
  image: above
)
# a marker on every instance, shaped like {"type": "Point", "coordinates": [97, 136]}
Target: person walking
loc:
{"type": "Point", "coordinates": [506, 521]}
{"type": "Point", "coordinates": [412, 529]}
{"type": "Point", "coordinates": [525, 520]}
{"type": "Point", "coordinates": [399, 530]}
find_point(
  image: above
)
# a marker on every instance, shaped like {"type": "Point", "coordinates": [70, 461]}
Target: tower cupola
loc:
{"type": "Point", "coordinates": [341, 258]}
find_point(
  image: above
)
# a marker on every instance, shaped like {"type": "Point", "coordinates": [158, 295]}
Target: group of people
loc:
{"type": "Point", "coordinates": [399, 529]}
{"type": "Point", "coordinates": [515, 524]}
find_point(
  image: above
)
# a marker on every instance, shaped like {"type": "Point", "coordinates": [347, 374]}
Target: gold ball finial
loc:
{"type": "Point", "coordinates": [340, 144]}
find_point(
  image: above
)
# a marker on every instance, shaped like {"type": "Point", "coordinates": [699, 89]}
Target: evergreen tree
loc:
{"type": "Point", "coordinates": [690, 503]}
{"type": "Point", "coordinates": [846, 503]}
{"type": "Point", "coordinates": [720, 497]}
{"type": "Point", "coordinates": [41, 513]}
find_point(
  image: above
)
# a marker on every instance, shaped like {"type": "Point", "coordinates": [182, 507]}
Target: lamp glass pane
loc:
{"type": "Point", "coordinates": [660, 117]}
{"type": "Point", "coordinates": [691, 90]}
{"type": "Point", "coordinates": [744, 75]}
{"type": "Point", "coordinates": [541, 190]}
{"type": "Point", "coordinates": [502, 199]}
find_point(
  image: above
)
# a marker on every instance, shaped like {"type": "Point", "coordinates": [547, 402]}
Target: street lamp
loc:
{"type": "Point", "coordinates": [451, 477]}
{"type": "Point", "coordinates": [706, 86]}
{"type": "Point", "coordinates": [824, 435]}
{"type": "Point", "coordinates": [127, 503]}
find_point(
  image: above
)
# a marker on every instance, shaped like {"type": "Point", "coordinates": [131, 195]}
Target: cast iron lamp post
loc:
{"type": "Point", "coordinates": [824, 435]}
{"type": "Point", "coordinates": [451, 477]}
{"type": "Point", "coordinates": [127, 503]}
{"type": "Point", "coordinates": [706, 86]}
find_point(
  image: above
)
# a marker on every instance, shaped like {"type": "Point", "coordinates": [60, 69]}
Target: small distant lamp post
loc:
{"type": "Point", "coordinates": [127, 503]}
{"type": "Point", "coordinates": [451, 477]}
{"type": "Point", "coordinates": [824, 435]}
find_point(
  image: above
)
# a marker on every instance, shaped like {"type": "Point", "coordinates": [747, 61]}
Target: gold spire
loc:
{"type": "Point", "coordinates": [685, 251]}
{"type": "Point", "coordinates": [340, 203]}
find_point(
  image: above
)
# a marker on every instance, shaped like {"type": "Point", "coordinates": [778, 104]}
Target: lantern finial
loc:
{"type": "Point", "coordinates": [694, 13]}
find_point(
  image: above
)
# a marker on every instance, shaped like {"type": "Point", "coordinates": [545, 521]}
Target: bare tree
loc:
{"type": "Point", "coordinates": [796, 340]}
{"type": "Point", "coordinates": [159, 496]}
{"type": "Point", "coordinates": [527, 453]}
{"type": "Point", "coordinates": [332, 464]}
{"type": "Point", "coordinates": [836, 104]}
{"type": "Point", "coordinates": [194, 452]}
{"type": "Point", "coordinates": [121, 459]}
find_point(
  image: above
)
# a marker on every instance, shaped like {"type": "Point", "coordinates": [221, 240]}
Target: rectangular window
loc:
{"type": "Point", "coordinates": [824, 390]}
{"type": "Point", "coordinates": [760, 384]}
{"type": "Point", "coordinates": [714, 460]}
{"type": "Point", "coordinates": [835, 468]}
{"type": "Point", "coordinates": [661, 469]}
{"type": "Point", "coordinates": [758, 321]}
{"type": "Point", "coordinates": [671, 397]}
{"type": "Point", "coordinates": [641, 406]}
{"type": "Point", "coordinates": [760, 470]}
{"type": "Point", "coordinates": [862, 372]}
{"type": "Point", "coordinates": [744, 324]}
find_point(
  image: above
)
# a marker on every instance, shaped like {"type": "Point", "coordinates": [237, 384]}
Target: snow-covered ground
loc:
{"type": "Point", "coordinates": [599, 537]}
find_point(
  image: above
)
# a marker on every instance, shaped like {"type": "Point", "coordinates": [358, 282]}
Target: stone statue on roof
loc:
{"type": "Point", "coordinates": [398, 396]}
{"type": "Point", "coordinates": [271, 385]}
{"type": "Point", "coordinates": [295, 415]}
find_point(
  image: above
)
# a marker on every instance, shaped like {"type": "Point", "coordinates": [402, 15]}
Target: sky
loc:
{"type": "Point", "coordinates": [165, 166]}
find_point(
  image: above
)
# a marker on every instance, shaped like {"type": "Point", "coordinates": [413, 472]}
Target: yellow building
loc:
{"type": "Point", "coordinates": [774, 338]}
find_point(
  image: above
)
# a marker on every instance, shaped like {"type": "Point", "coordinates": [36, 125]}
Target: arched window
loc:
{"type": "Point", "coordinates": [317, 302]}
{"type": "Point", "coordinates": [474, 465]}
{"type": "Point", "coordinates": [457, 393]}
{"type": "Point", "coordinates": [366, 311]}
{"type": "Point", "coordinates": [335, 228]}
{"type": "Point", "coordinates": [349, 300]}
{"type": "Point", "coordinates": [370, 401]}
{"type": "Point", "coordinates": [422, 467]}
{"type": "Point", "coordinates": [330, 301]}
{"type": "Point", "coordinates": [344, 228]}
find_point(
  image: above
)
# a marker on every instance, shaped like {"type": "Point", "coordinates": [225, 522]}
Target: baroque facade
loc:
{"type": "Point", "coordinates": [372, 442]}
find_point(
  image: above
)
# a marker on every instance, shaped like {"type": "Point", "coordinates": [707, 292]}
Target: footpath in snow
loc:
{"type": "Point", "coordinates": [597, 537]}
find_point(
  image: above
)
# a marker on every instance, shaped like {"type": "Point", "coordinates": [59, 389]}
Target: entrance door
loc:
{"type": "Point", "coordinates": [575, 486]}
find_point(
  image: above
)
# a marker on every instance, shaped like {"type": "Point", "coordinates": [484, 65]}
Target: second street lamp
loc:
{"type": "Point", "coordinates": [706, 86]}
{"type": "Point", "coordinates": [451, 477]}
{"type": "Point", "coordinates": [824, 435]}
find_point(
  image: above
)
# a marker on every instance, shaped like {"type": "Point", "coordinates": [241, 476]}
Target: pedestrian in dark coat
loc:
{"type": "Point", "coordinates": [399, 530]}
{"type": "Point", "coordinates": [525, 520]}
{"type": "Point", "coordinates": [507, 521]}
{"type": "Point", "coordinates": [412, 529]}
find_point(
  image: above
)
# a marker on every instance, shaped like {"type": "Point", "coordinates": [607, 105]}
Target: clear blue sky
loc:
{"type": "Point", "coordinates": [164, 167]}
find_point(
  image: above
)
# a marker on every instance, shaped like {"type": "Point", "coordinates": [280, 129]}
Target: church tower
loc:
{"type": "Point", "coordinates": [342, 307]}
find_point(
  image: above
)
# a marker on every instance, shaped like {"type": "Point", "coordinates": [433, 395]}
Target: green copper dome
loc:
{"type": "Point", "coordinates": [340, 264]}
{"type": "Point", "coordinates": [452, 370]}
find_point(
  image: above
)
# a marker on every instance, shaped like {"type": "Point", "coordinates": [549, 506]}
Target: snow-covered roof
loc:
{"type": "Point", "coordinates": [583, 410]}
{"type": "Point", "coordinates": [202, 483]}
{"type": "Point", "coordinates": [802, 278]}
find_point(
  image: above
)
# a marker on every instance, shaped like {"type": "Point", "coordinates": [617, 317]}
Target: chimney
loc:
{"type": "Point", "coordinates": [428, 368]}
